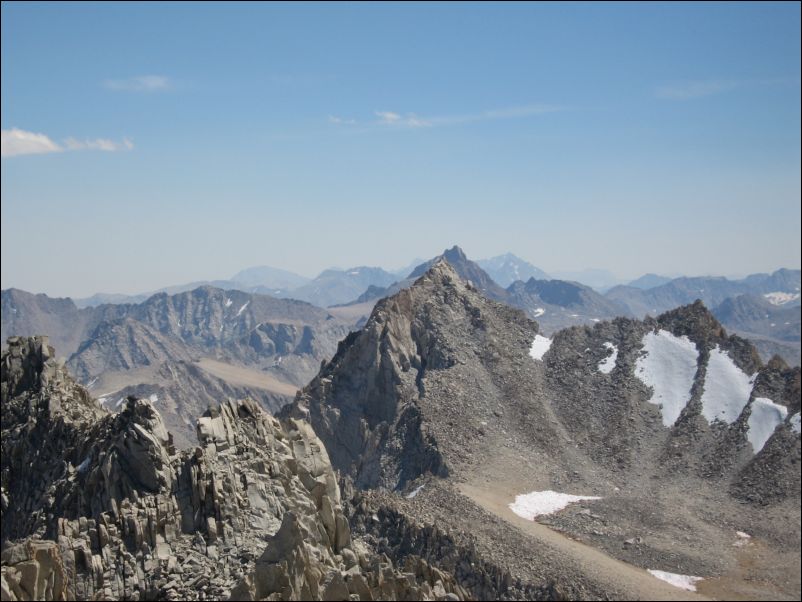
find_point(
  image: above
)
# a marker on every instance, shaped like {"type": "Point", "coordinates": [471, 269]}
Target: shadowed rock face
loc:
{"type": "Point", "coordinates": [101, 505]}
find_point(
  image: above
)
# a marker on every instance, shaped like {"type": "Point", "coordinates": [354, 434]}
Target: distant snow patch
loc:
{"type": "Point", "coordinates": [538, 503]}
{"type": "Point", "coordinates": [354, 273]}
{"type": "Point", "coordinates": [119, 402]}
{"type": "Point", "coordinates": [607, 364]}
{"type": "Point", "coordinates": [794, 422]}
{"type": "Point", "coordinates": [595, 319]}
{"type": "Point", "coordinates": [668, 366]}
{"type": "Point", "coordinates": [91, 382]}
{"type": "Point", "coordinates": [228, 302]}
{"type": "Point", "coordinates": [743, 535]}
{"type": "Point", "coordinates": [780, 298]}
{"type": "Point", "coordinates": [414, 492]}
{"type": "Point", "coordinates": [685, 582]}
{"type": "Point", "coordinates": [242, 309]}
{"type": "Point", "coordinates": [539, 347]}
{"type": "Point", "coordinates": [765, 417]}
{"type": "Point", "coordinates": [727, 388]}
{"type": "Point", "coordinates": [153, 398]}
{"type": "Point", "coordinates": [539, 311]}
{"type": "Point", "coordinates": [102, 400]}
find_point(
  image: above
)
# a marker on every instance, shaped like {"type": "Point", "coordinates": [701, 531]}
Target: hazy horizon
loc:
{"type": "Point", "coordinates": [146, 146]}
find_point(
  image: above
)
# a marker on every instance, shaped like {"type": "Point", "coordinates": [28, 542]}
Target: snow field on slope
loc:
{"type": "Point", "coordinates": [765, 417]}
{"type": "Point", "coordinates": [668, 366]}
{"type": "Point", "coordinates": [685, 582]}
{"type": "Point", "coordinates": [539, 347]}
{"type": "Point", "coordinates": [726, 388]}
{"type": "Point", "coordinates": [607, 364]}
{"type": "Point", "coordinates": [538, 503]}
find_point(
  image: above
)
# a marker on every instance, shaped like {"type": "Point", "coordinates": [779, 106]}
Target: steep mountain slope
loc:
{"type": "Point", "coordinates": [711, 290]}
{"type": "Point", "coordinates": [772, 328]}
{"type": "Point", "coordinates": [167, 346]}
{"type": "Point", "coordinates": [558, 303]}
{"type": "Point", "coordinates": [461, 404]}
{"type": "Point", "coordinates": [506, 269]}
{"type": "Point", "coordinates": [100, 506]}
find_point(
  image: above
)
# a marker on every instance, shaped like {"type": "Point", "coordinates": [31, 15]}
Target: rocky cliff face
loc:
{"type": "Point", "coordinates": [97, 505]}
{"type": "Point", "coordinates": [661, 418]}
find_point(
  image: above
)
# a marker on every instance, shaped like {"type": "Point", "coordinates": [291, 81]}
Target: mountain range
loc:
{"type": "Point", "coordinates": [447, 450]}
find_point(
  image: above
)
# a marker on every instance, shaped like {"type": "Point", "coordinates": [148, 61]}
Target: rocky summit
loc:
{"type": "Point", "coordinates": [100, 506]}
{"type": "Point", "coordinates": [454, 409]}
{"type": "Point", "coordinates": [448, 450]}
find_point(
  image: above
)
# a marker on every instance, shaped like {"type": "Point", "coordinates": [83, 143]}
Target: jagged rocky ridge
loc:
{"type": "Point", "coordinates": [100, 506]}
{"type": "Point", "coordinates": [439, 389]}
{"type": "Point", "coordinates": [158, 347]}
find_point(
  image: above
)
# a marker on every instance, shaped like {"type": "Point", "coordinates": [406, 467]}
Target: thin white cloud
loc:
{"type": "Point", "coordinates": [412, 120]}
{"type": "Point", "coordinates": [140, 83]}
{"type": "Point", "coordinates": [341, 120]}
{"type": "Point", "coordinates": [101, 144]}
{"type": "Point", "coordinates": [17, 142]}
{"type": "Point", "coordinates": [694, 89]}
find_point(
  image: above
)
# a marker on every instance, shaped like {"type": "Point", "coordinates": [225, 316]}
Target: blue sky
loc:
{"type": "Point", "coordinates": [152, 144]}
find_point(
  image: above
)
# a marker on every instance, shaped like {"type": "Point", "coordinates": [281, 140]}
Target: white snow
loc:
{"type": "Point", "coordinates": [228, 302]}
{"type": "Point", "coordinates": [607, 364]}
{"type": "Point", "coordinates": [685, 582]}
{"type": "Point", "coordinates": [727, 388]}
{"type": "Point", "coordinates": [539, 347]}
{"type": "Point", "coordinates": [119, 402]}
{"type": "Point", "coordinates": [537, 503]}
{"type": "Point", "coordinates": [743, 535]}
{"type": "Point", "coordinates": [102, 400]}
{"type": "Point", "coordinates": [153, 398]}
{"type": "Point", "coordinates": [765, 417]}
{"type": "Point", "coordinates": [91, 382]}
{"type": "Point", "coordinates": [595, 319]}
{"type": "Point", "coordinates": [83, 465]}
{"type": "Point", "coordinates": [794, 422]}
{"type": "Point", "coordinates": [780, 298]}
{"type": "Point", "coordinates": [242, 309]}
{"type": "Point", "coordinates": [354, 273]}
{"type": "Point", "coordinates": [668, 367]}
{"type": "Point", "coordinates": [414, 492]}
{"type": "Point", "coordinates": [539, 311]}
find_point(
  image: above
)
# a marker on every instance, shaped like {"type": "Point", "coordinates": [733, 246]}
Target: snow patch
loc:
{"type": "Point", "coordinates": [242, 309]}
{"type": "Point", "coordinates": [765, 417]}
{"type": "Point", "coordinates": [354, 273]}
{"type": "Point", "coordinates": [102, 400]}
{"type": "Point", "coordinates": [668, 367]}
{"type": "Point", "coordinates": [780, 298]}
{"type": "Point", "coordinates": [228, 302]}
{"type": "Point", "coordinates": [685, 582]}
{"type": "Point", "coordinates": [414, 492]}
{"type": "Point", "coordinates": [539, 311]}
{"type": "Point", "coordinates": [539, 347]}
{"type": "Point", "coordinates": [91, 382]}
{"type": "Point", "coordinates": [119, 402]}
{"type": "Point", "coordinates": [794, 422]}
{"type": "Point", "coordinates": [153, 398]}
{"type": "Point", "coordinates": [538, 503]}
{"type": "Point", "coordinates": [727, 388]}
{"type": "Point", "coordinates": [607, 364]}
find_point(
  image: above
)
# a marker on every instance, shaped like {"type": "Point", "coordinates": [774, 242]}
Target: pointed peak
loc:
{"type": "Point", "coordinates": [455, 254]}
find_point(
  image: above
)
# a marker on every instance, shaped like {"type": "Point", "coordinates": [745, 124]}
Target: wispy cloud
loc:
{"type": "Point", "coordinates": [393, 119]}
{"type": "Point", "coordinates": [341, 120]}
{"type": "Point", "coordinates": [17, 142]}
{"type": "Point", "coordinates": [140, 83]}
{"type": "Point", "coordinates": [695, 89]}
